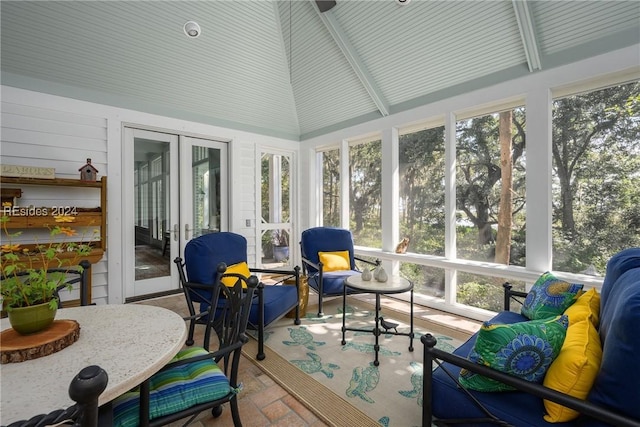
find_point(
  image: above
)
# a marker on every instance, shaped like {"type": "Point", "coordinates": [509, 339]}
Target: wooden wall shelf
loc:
{"type": "Point", "coordinates": [84, 217]}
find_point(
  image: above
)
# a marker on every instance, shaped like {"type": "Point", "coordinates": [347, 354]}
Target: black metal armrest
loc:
{"type": "Point", "coordinates": [285, 274]}
{"type": "Point", "coordinates": [432, 354]}
{"type": "Point", "coordinates": [84, 389]}
{"type": "Point", "coordinates": [377, 262]}
{"type": "Point", "coordinates": [511, 295]}
{"type": "Point", "coordinates": [306, 261]}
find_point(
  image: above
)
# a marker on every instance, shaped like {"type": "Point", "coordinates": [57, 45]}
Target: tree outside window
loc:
{"type": "Point", "coordinates": [365, 193]}
{"type": "Point", "coordinates": [596, 177]}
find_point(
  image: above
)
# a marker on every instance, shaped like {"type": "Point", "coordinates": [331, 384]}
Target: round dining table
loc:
{"type": "Point", "coordinates": [130, 342]}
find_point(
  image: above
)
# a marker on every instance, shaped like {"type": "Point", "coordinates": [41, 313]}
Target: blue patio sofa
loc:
{"type": "Point", "coordinates": [614, 398]}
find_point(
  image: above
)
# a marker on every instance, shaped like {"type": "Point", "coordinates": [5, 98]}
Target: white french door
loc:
{"type": "Point", "coordinates": [176, 189]}
{"type": "Point", "coordinates": [275, 230]}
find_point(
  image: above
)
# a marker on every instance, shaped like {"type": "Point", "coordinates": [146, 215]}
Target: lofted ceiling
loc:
{"type": "Point", "coordinates": [283, 68]}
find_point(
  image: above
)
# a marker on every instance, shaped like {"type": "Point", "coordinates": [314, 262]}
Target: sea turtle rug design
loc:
{"type": "Point", "coordinates": [363, 380]}
{"type": "Point", "coordinates": [416, 383]}
{"type": "Point", "coordinates": [313, 318]}
{"type": "Point", "coordinates": [368, 349]}
{"type": "Point", "coordinates": [315, 365]}
{"type": "Point", "coordinates": [301, 336]}
{"type": "Point", "coordinates": [353, 311]}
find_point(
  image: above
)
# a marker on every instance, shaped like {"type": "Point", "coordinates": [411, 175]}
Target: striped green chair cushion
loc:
{"type": "Point", "coordinates": [175, 389]}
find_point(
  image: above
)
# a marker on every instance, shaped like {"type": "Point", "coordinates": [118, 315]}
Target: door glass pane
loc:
{"type": "Point", "coordinates": [275, 188]}
{"type": "Point", "coordinates": [152, 238]}
{"type": "Point", "coordinates": [206, 190]}
{"type": "Point", "coordinates": [275, 209]}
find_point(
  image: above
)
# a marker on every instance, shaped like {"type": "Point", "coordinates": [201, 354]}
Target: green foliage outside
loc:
{"type": "Point", "coordinates": [596, 190]}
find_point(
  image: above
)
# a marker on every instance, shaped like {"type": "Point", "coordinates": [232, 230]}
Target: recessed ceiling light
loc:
{"type": "Point", "coordinates": [192, 29]}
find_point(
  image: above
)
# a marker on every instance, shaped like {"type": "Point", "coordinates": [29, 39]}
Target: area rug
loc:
{"type": "Point", "coordinates": [340, 383]}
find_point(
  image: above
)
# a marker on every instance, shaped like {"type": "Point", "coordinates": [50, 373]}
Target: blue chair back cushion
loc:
{"type": "Point", "coordinates": [326, 239]}
{"type": "Point", "coordinates": [175, 389]}
{"type": "Point", "coordinates": [448, 402]}
{"type": "Point", "coordinates": [618, 382]}
{"type": "Point", "coordinates": [203, 254]}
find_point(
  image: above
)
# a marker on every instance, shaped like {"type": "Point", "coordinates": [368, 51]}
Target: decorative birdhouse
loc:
{"type": "Point", "coordinates": [88, 172]}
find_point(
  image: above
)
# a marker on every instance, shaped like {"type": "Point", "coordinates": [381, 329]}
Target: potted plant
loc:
{"type": "Point", "coordinates": [28, 288]}
{"type": "Point", "coordinates": [280, 245]}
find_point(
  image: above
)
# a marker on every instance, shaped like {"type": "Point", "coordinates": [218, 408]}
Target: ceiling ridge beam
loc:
{"type": "Point", "coordinates": [527, 33]}
{"type": "Point", "coordinates": [285, 59]}
{"type": "Point", "coordinates": [353, 58]}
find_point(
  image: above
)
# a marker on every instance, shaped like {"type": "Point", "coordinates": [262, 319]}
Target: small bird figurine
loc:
{"type": "Point", "coordinates": [388, 325]}
{"type": "Point", "coordinates": [402, 246]}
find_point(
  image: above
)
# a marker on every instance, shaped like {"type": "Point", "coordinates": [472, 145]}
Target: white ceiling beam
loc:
{"type": "Point", "coordinates": [527, 33]}
{"type": "Point", "coordinates": [353, 58]}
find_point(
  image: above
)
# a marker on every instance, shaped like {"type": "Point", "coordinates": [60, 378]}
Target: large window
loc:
{"type": "Point", "coordinates": [330, 185]}
{"type": "Point", "coordinates": [461, 194]}
{"type": "Point", "coordinates": [365, 192]}
{"type": "Point", "coordinates": [421, 204]}
{"type": "Point", "coordinates": [596, 177]}
{"type": "Point", "coordinates": [490, 187]}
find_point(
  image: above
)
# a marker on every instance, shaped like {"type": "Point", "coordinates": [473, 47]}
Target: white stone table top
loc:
{"type": "Point", "coordinates": [393, 285]}
{"type": "Point", "coordinates": [130, 342]}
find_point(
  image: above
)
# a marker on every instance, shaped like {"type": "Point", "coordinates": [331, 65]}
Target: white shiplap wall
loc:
{"type": "Point", "coordinates": [39, 129]}
{"type": "Point", "coordinates": [45, 137]}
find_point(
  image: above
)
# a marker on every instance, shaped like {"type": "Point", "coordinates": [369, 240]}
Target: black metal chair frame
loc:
{"type": "Point", "coordinates": [84, 389]}
{"type": "Point", "coordinates": [284, 276]}
{"type": "Point", "coordinates": [433, 355]}
{"type": "Point", "coordinates": [230, 326]}
{"type": "Point", "coordinates": [200, 290]}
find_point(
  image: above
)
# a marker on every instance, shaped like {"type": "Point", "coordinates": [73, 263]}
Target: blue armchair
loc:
{"type": "Point", "coordinates": [327, 239]}
{"type": "Point", "coordinates": [271, 302]}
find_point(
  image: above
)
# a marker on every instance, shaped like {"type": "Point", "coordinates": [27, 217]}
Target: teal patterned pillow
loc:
{"type": "Point", "coordinates": [549, 297]}
{"type": "Point", "coordinates": [524, 349]}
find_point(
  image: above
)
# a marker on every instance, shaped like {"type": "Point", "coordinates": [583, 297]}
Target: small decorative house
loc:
{"type": "Point", "coordinates": [88, 172]}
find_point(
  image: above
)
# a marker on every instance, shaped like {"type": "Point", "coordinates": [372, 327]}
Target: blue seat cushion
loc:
{"type": "Point", "coordinates": [175, 389]}
{"type": "Point", "coordinates": [333, 281]}
{"type": "Point", "coordinates": [278, 300]}
{"type": "Point", "coordinates": [517, 408]}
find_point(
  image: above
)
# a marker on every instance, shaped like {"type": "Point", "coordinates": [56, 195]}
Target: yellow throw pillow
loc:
{"type": "Point", "coordinates": [575, 369]}
{"type": "Point", "coordinates": [335, 261]}
{"type": "Point", "coordinates": [587, 304]}
{"type": "Point", "coordinates": [241, 268]}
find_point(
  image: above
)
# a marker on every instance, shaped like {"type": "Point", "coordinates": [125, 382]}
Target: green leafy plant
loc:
{"type": "Point", "coordinates": [26, 276]}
